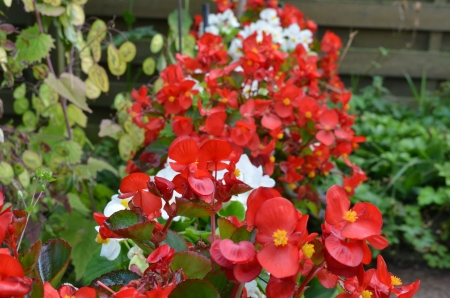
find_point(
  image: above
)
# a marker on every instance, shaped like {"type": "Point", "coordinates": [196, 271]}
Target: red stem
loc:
{"type": "Point", "coordinates": [308, 278]}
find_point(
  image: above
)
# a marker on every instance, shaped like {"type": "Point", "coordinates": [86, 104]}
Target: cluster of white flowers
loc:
{"type": "Point", "coordinates": [269, 23]}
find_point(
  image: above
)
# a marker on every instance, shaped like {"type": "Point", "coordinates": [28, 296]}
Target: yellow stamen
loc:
{"type": "Point", "coordinates": [101, 240]}
{"type": "Point", "coordinates": [396, 281]}
{"type": "Point", "coordinates": [347, 107]}
{"type": "Point", "coordinates": [237, 172]}
{"type": "Point", "coordinates": [308, 250]}
{"type": "Point", "coordinates": [67, 296]}
{"type": "Point", "coordinates": [249, 63]}
{"type": "Point", "coordinates": [366, 294]}
{"type": "Point", "coordinates": [319, 153]}
{"type": "Point", "coordinates": [350, 216]}
{"type": "Point", "coordinates": [272, 158]}
{"type": "Point", "coordinates": [224, 100]}
{"type": "Point", "coordinates": [280, 135]}
{"type": "Point", "coordinates": [187, 94]}
{"type": "Point", "coordinates": [326, 127]}
{"type": "Point", "coordinates": [308, 114]}
{"type": "Point", "coordinates": [280, 238]}
{"type": "Point", "coordinates": [287, 101]}
{"type": "Point", "coordinates": [312, 174]}
{"type": "Point", "coordinates": [171, 99]}
{"type": "Point", "coordinates": [292, 186]}
{"type": "Point", "coordinates": [124, 203]}
{"type": "Point", "coordinates": [326, 173]}
{"type": "Point", "coordinates": [348, 189]}
{"type": "Point", "coordinates": [345, 156]}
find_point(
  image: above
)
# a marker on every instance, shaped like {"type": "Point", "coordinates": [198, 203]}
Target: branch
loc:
{"type": "Point", "coordinates": [347, 46]}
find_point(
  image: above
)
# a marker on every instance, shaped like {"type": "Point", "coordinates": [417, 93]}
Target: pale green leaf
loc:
{"type": "Point", "coordinates": [76, 116]}
{"type": "Point", "coordinates": [97, 165]}
{"type": "Point", "coordinates": [77, 205]}
{"type": "Point", "coordinates": [32, 45]}
{"type": "Point", "coordinates": [50, 10]}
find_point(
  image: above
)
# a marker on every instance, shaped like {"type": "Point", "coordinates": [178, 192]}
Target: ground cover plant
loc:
{"type": "Point", "coordinates": [241, 136]}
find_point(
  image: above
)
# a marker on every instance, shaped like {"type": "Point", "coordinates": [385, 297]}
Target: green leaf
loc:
{"type": "Point", "coordinates": [77, 205]}
{"type": "Point", "coordinates": [50, 10]}
{"type": "Point", "coordinates": [115, 278]}
{"type": "Point", "coordinates": [148, 66]}
{"type": "Point", "coordinates": [194, 265]}
{"type": "Point", "coordinates": [30, 257]}
{"type": "Point", "coordinates": [186, 22]}
{"type": "Point", "coordinates": [241, 234]}
{"type": "Point", "coordinates": [226, 228]}
{"type": "Point", "coordinates": [221, 282]}
{"type": "Point", "coordinates": [71, 151]}
{"type": "Point", "coordinates": [128, 224]}
{"type": "Point", "coordinates": [427, 196]}
{"type": "Point", "coordinates": [21, 105]}
{"type": "Point", "coordinates": [32, 45]}
{"type": "Point", "coordinates": [38, 289]}
{"type": "Point", "coordinates": [76, 116]}
{"type": "Point", "coordinates": [20, 91]}
{"type": "Point", "coordinates": [53, 261]}
{"type": "Point", "coordinates": [6, 173]}
{"type": "Point", "coordinates": [194, 288]}
{"type": "Point", "coordinates": [157, 43]}
{"type": "Point", "coordinates": [31, 159]}
{"type": "Point", "coordinates": [30, 120]}
{"type": "Point", "coordinates": [71, 87]}
{"type": "Point", "coordinates": [175, 241]}
{"type": "Point", "coordinates": [125, 147]}
{"type": "Point", "coordinates": [108, 128]}
{"type": "Point", "coordinates": [233, 208]}
{"type": "Point", "coordinates": [99, 265]}
{"type": "Point", "coordinates": [193, 209]}
{"type": "Point", "coordinates": [134, 35]}
{"type": "Point", "coordinates": [161, 63]}
{"type": "Point", "coordinates": [98, 165]}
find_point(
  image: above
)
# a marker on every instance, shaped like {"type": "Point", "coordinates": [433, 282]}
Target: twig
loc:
{"type": "Point", "coordinates": [240, 8]}
{"type": "Point", "coordinates": [347, 46]}
{"type": "Point", "coordinates": [180, 26]}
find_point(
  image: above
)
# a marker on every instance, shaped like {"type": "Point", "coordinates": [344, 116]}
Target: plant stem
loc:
{"type": "Point", "coordinates": [237, 290]}
{"type": "Point", "coordinates": [180, 25]}
{"type": "Point", "coordinates": [28, 217]}
{"type": "Point", "coordinates": [308, 278]}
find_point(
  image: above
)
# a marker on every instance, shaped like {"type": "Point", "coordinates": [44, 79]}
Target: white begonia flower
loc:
{"type": "Point", "coordinates": [136, 256]}
{"type": "Point", "coordinates": [253, 291]}
{"type": "Point", "coordinates": [116, 204]}
{"type": "Point", "coordinates": [222, 22]}
{"type": "Point", "coordinates": [110, 246]}
{"type": "Point", "coordinates": [212, 29]}
{"type": "Point", "coordinates": [235, 50]}
{"type": "Point", "coordinates": [306, 38]}
{"type": "Point", "coordinates": [250, 90]}
{"type": "Point", "coordinates": [250, 175]}
{"type": "Point", "coordinates": [2, 136]}
{"type": "Point", "coordinates": [270, 16]}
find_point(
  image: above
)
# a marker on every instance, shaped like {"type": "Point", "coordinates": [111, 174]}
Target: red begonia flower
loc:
{"type": "Point", "coordinates": [134, 182]}
{"type": "Point", "coordinates": [12, 280]}
{"type": "Point", "coordinates": [182, 126]}
{"type": "Point", "coordinates": [148, 202]}
{"type": "Point", "coordinates": [276, 221]}
{"type": "Point", "coordinates": [327, 122]}
{"type": "Point", "coordinates": [327, 279]}
{"type": "Point", "coordinates": [256, 198]}
{"type": "Point", "coordinates": [280, 287]}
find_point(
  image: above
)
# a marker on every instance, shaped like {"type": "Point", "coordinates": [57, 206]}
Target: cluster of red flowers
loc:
{"type": "Point", "coordinates": [289, 110]}
{"type": "Point", "coordinates": [281, 244]}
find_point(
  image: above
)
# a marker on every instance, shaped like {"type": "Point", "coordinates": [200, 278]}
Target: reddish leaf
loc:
{"type": "Point", "coordinates": [193, 209]}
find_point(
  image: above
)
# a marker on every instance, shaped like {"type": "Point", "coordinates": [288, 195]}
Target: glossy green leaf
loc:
{"type": "Point", "coordinates": [38, 289]}
{"type": "Point", "coordinates": [53, 261]}
{"type": "Point", "coordinates": [194, 265]}
{"type": "Point", "coordinates": [115, 278]}
{"type": "Point", "coordinates": [193, 209]}
{"type": "Point", "coordinates": [194, 288]}
{"type": "Point", "coordinates": [30, 257]}
{"type": "Point", "coordinates": [99, 265]}
{"type": "Point", "coordinates": [221, 282]}
{"type": "Point", "coordinates": [226, 228]}
{"type": "Point", "coordinates": [128, 224]}
{"type": "Point", "coordinates": [233, 208]}
{"type": "Point", "coordinates": [176, 241]}
{"type": "Point", "coordinates": [241, 234]}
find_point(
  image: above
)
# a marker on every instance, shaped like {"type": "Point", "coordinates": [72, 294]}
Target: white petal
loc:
{"type": "Point", "coordinates": [266, 181]}
{"type": "Point", "coordinates": [111, 250]}
{"type": "Point", "coordinates": [112, 207]}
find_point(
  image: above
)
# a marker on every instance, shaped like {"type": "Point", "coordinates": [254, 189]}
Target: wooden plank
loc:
{"type": "Point", "coordinates": [355, 14]}
{"type": "Point", "coordinates": [435, 41]}
{"type": "Point", "coordinates": [396, 63]}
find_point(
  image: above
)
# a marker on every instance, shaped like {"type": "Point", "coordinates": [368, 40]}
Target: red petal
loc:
{"type": "Point", "coordinates": [10, 267]}
{"type": "Point", "coordinates": [276, 214]}
{"type": "Point", "coordinates": [215, 151]}
{"type": "Point", "coordinates": [329, 118]}
{"type": "Point", "coordinates": [338, 268]}
{"type": "Point", "coordinates": [158, 254]}
{"type": "Point", "coordinates": [134, 182]}
{"type": "Point", "coordinates": [85, 292]}
{"type": "Point", "coordinates": [407, 291]}
{"type": "Point", "coordinates": [66, 291]}
{"type": "Point", "coordinates": [5, 220]}
{"type": "Point", "coordinates": [327, 279]}
{"type": "Point", "coordinates": [280, 288]}
{"type": "Point", "coordinates": [325, 137]}
{"type": "Point", "coordinates": [337, 204]}
{"type": "Point", "coordinates": [256, 198]}
{"type": "Point", "coordinates": [367, 253]}
{"type": "Point", "coordinates": [148, 202]}
{"type": "Point", "coordinates": [214, 125]}
{"type": "Point", "coordinates": [238, 253]}
{"type": "Point", "coordinates": [49, 291]}
{"type": "Point", "coordinates": [382, 272]}
{"type": "Point", "coordinates": [183, 150]}
{"type": "Point", "coordinates": [367, 224]}
{"type": "Point", "coordinates": [2, 198]}
{"type": "Point", "coordinates": [271, 121]}
{"type": "Point", "coordinates": [217, 255]}
{"type": "Point", "coordinates": [378, 242]}
{"type": "Point", "coordinates": [202, 186]}
{"type": "Point", "coordinates": [280, 261]}
{"type": "Point", "coordinates": [248, 271]}
{"type": "Point", "coordinates": [347, 253]}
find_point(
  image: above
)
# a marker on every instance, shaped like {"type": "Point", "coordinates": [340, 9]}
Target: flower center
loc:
{"type": "Point", "coordinates": [366, 294]}
{"type": "Point", "coordinates": [237, 172]}
{"type": "Point", "coordinates": [326, 127]}
{"type": "Point", "coordinates": [308, 250]}
{"type": "Point", "coordinates": [101, 240]}
{"type": "Point", "coordinates": [350, 216]}
{"type": "Point", "coordinates": [308, 114]}
{"type": "Point", "coordinates": [348, 189]}
{"type": "Point", "coordinates": [280, 135]}
{"type": "Point", "coordinates": [67, 296]}
{"type": "Point", "coordinates": [312, 174]}
{"type": "Point", "coordinates": [272, 158]}
{"type": "Point", "coordinates": [224, 100]}
{"type": "Point", "coordinates": [396, 281]}
{"type": "Point", "coordinates": [187, 94]}
{"type": "Point", "coordinates": [287, 101]}
{"type": "Point", "coordinates": [292, 186]}
{"type": "Point", "coordinates": [171, 99]}
{"type": "Point", "coordinates": [124, 203]}
{"type": "Point", "coordinates": [280, 238]}
{"type": "Point", "coordinates": [249, 63]}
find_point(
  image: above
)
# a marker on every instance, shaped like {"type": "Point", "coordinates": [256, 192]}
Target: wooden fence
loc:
{"type": "Point", "coordinates": [416, 35]}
